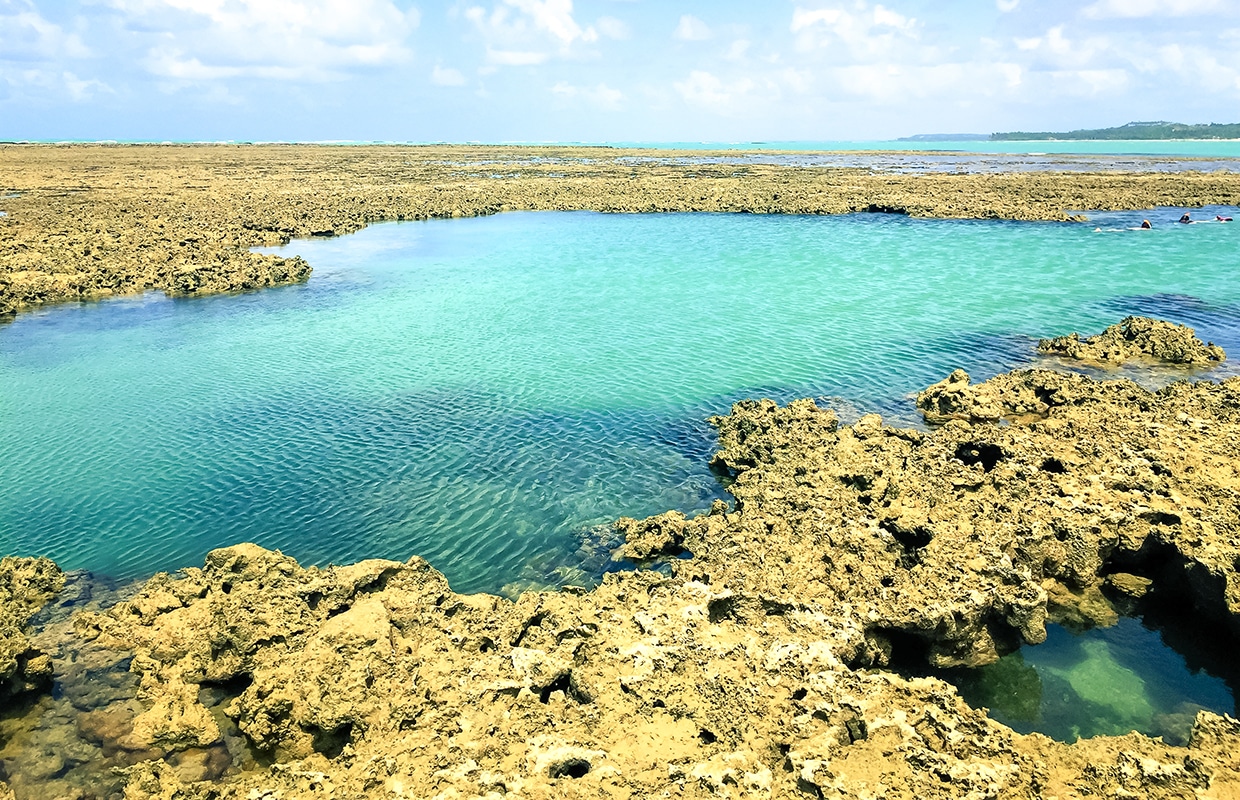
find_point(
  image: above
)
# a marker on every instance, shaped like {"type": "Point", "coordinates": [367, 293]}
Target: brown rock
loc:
{"type": "Point", "coordinates": [740, 673]}
{"type": "Point", "coordinates": [26, 584]}
{"type": "Point", "coordinates": [1137, 337]}
{"type": "Point", "coordinates": [1133, 586]}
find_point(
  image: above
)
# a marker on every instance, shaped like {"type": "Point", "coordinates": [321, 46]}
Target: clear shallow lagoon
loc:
{"type": "Point", "coordinates": [484, 392]}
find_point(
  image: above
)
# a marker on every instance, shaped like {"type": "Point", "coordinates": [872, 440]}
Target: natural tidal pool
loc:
{"type": "Point", "coordinates": [491, 393]}
{"type": "Point", "coordinates": [1150, 675]}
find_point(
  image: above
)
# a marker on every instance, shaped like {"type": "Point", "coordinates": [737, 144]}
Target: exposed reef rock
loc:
{"type": "Point", "coordinates": [26, 584]}
{"type": "Point", "coordinates": [1137, 337]}
{"type": "Point", "coordinates": [1021, 395]}
{"type": "Point", "coordinates": [92, 221]}
{"type": "Point", "coordinates": [754, 668]}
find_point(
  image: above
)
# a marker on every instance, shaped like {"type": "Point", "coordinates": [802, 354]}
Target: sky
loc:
{"type": "Point", "coordinates": [607, 70]}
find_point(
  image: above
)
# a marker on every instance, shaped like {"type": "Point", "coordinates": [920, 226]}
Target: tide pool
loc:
{"type": "Point", "coordinates": [1108, 681]}
{"type": "Point", "coordinates": [490, 393]}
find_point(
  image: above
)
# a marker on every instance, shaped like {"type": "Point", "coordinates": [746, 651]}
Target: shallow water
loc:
{"type": "Point", "coordinates": [490, 393]}
{"type": "Point", "coordinates": [1108, 681]}
{"type": "Point", "coordinates": [1205, 148]}
{"type": "Point", "coordinates": [914, 163]}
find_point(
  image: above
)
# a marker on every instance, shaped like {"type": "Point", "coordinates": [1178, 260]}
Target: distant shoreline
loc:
{"type": "Point", "coordinates": [832, 145]}
{"type": "Point", "coordinates": [1133, 131]}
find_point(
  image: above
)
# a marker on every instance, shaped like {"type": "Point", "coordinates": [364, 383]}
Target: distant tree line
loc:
{"type": "Point", "coordinates": [1133, 130]}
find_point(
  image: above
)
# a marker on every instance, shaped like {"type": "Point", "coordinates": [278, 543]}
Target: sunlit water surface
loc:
{"type": "Point", "coordinates": [1150, 676]}
{"type": "Point", "coordinates": [490, 393]}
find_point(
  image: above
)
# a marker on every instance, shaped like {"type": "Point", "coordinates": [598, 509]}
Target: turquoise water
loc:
{"type": "Point", "coordinates": [1108, 681]}
{"type": "Point", "coordinates": [1206, 148]}
{"type": "Point", "coordinates": [1120, 147]}
{"type": "Point", "coordinates": [487, 393]}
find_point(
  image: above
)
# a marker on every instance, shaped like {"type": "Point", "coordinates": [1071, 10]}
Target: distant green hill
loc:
{"type": "Point", "coordinates": [1133, 130]}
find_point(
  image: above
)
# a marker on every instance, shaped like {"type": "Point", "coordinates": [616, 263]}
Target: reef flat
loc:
{"type": "Point", "coordinates": [90, 221]}
{"type": "Point", "coordinates": [753, 664]}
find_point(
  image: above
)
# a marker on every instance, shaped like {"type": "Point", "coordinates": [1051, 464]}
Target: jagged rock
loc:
{"type": "Point", "coordinates": [1021, 395]}
{"type": "Point", "coordinates": [26, 585]}
{"type": "Point", "coordinates": [175, 720]}
{"type": "Point", "coordinates": [738, 673]}
{"type": "Point", "coordinates": [1137, 337]}
{"type": "Point", "coordinates": [656, 537]}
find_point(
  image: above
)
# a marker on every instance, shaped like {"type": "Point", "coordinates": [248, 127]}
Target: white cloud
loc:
{"type": "Point", "coordinates": [555, 17]}
{"type": "Point", "coordinates": [692, 29]}
{"type": "Point", "coordinates": [52, 83]}
{"type": "Point", "coordinates": [1191, 63]}
{"type": "Point", "coordinates": [706, 90]}
{"type": "Point", "coordinates": [277, 39]}
{"type": "Point", "coordinates": [1013, 74]}
{"type": "Point", "coordinates": [865, 31]}
{"type": "Point", "coordinates": [1007, 6]}
{"type": "Point", "coordinates": [612, 28]}
{"type": "Point", "coordinates": [1091, 82]}
{"type": "Point", "coordinates": [515, 58]}
{"type": "Point", "coordinates": [850, 23]}
{"type": "Point", "coordinates": [1133, 9]}
{"type": "Point", "coordinates": [803, 18]}
{"type": "Point", "coordinates": [893, 82]}
{"type": "Point", "coordinates": [26, 36]}
{"type": "Point", "coordinates": [525, 32]}
{"type": "Point", "coordinates": [446, 76]}
{"type": "Point", "coordinates": [798, 80]}
{"type": "Point", "coordinates": [1054, 50]}
{"type": "Point", "coordinates": [80, 89]}
{"type": "Point", "coordinates": [738, 49]}
{"type": "Point", "coordinates": [601, 96]}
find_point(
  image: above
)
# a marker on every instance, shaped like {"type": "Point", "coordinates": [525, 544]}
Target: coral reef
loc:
{"type": "Point", "coordinates": [90, 221]}
{"type": "Point", "coordinates": [753, 663]}
{"type": "Point", "coordinates": [1134, 338]}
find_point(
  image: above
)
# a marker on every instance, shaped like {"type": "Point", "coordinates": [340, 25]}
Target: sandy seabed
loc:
{"type": "Point", "coordinates": [757, 667]}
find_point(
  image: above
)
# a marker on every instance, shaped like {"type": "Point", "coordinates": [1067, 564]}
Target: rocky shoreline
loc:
{"type": "Point", "coordinates": [755, 663]}
{"type": "Point", "coordinates": [84, 222]}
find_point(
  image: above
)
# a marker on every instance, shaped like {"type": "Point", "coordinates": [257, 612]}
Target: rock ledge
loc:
{"type": "Point", "coordinates": [1137, 337]}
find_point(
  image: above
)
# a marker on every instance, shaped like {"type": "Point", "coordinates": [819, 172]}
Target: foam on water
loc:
{"type": "Point", "coordinates": [487, 393]}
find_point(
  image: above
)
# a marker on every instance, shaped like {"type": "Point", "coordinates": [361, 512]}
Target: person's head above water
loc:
{"type": "Point", "coordinates": [1186, 218]}
{"type": "Point", "coordinates": [1145, 223]}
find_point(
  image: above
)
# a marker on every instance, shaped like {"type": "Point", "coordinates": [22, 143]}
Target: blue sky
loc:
{"type": "Point", "coordinates": [607, 70]}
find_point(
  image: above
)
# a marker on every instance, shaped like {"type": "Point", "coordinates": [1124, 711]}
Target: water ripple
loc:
{"type": "Point", "coordinates": [490, 394]}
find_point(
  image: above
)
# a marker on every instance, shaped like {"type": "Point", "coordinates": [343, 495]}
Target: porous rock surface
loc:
{"type": "Point", "coordinates": [26, 584]}
{"type": "Point", "coordinates": [1137, 338]}
{"type": "Point", "coordinates": [84, 222]}
{"type": "Point", "coordinates": [753, 668]}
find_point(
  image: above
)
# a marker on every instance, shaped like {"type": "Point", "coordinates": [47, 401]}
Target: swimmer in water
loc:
{"type": "Point", "coordinates": [1221, 218]}
{"type": "Point", "coordinates": [1186, 219]}
{"type": "Point", "coordinates": [1145, 225]}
